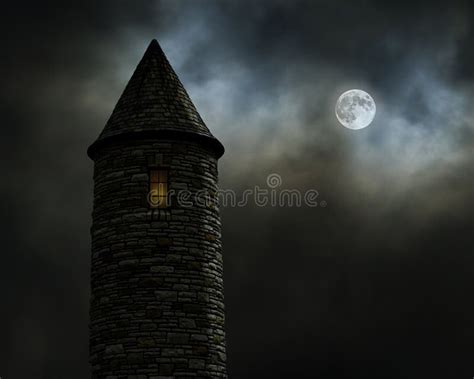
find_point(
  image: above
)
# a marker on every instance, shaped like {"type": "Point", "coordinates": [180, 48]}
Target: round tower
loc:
{"type": "Point", "coordinates": [157, 304]}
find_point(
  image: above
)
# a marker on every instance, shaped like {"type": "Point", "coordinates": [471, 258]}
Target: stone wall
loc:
{"type": "Point", "coordinates": [157, 308]}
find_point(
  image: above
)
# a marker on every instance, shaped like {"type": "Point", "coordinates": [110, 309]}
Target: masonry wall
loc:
{"type": "Point", "coordinates": [157, 308]}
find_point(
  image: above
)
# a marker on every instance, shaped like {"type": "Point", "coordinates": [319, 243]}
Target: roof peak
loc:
{"type": "Point", "coordinates": [154, 100]}
{"type": "Point", "coordinates": [154, 48]}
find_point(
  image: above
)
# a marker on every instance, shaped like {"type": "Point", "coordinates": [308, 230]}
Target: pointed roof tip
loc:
{"type": "Point", "coordinates": [154, 43]}
{"type": "Point", "coordinates": [153, 47]}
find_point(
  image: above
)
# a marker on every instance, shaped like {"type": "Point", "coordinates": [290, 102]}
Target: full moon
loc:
{"type": "Point", "coordinates": [355, 109]}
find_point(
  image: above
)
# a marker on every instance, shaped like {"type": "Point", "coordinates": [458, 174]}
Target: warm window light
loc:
{"type": "Point", "coordinates": [158, 197]}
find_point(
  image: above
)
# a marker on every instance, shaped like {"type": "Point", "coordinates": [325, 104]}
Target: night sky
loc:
{"type": "Point", "coordinates": [378, 284]}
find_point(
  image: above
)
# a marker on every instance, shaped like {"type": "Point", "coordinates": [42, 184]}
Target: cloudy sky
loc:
{"type": "Point", "coordinates": [378, 284]}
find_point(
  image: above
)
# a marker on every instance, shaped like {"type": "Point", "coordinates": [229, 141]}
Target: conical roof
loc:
{"type": "Point", "coordinates": [154, 100]}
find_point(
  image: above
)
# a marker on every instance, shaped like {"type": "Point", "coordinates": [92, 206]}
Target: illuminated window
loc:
{"type": "Point", "coordinates": [158, 196]}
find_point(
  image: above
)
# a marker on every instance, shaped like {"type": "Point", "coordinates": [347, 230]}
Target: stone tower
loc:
{"type": "Point", "coordinates": [157, 307]}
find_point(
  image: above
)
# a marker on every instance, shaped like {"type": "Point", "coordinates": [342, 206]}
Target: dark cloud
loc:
{"type": "Point", "coordinates": [377, 284]}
